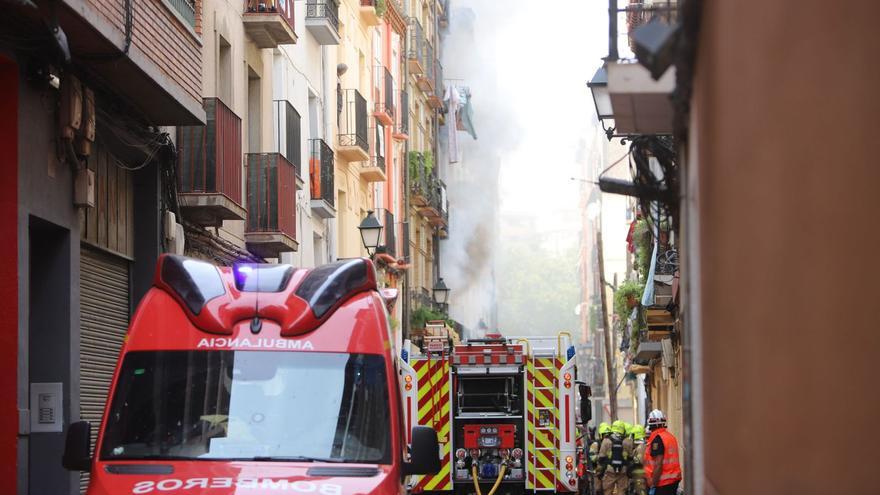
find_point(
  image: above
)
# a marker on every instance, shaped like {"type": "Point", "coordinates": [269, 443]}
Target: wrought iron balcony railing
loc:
{"type": "Point", "coordinates": [321, 171]}
{"type": "Point", "coordinates": [415, 46]}
{"type": "Point", "coordinates": [324, 9]}
{"type": "Point", "coordinates": [389, 232]}
{"type": "Point", "coordinates": [403, 114]}
{"type": "Point", "coordinates": [288, 133]}
{"type": "Point", "coordinates": [210, 156]}
{"type": "Point", "coordinates": [353, 130]}
{"type": "Point", "coordinates": [271, 186]}
{"type": "Point", "coordinates": [269, 23]}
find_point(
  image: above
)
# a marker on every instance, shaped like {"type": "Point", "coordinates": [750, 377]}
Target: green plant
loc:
{"type": "Point", "coordinates": [414, 159]}
{"type": "Point", "coordinates": [628, 291]}
{"type": "Point", "coordinates": [381, 6]}
{"type": "Point", "coordinates": [429, 161]}
{"type": "Point", "coordinates": [422, 315]}
{"type": "Point", "coordinates": [642, 242]}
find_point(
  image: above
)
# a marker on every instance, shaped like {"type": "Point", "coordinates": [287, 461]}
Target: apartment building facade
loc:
{"type": "Point", "coordinates": [90, 89]}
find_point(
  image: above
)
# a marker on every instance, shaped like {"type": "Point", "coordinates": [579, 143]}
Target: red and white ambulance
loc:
{"type": "Point", "coordinates": [256, 379]}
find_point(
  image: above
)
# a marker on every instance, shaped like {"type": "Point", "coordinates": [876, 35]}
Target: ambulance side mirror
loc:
{"type": "Point", "coordinates": [77, 446]}
{"type": "Point", "coordinates": [424, 453]}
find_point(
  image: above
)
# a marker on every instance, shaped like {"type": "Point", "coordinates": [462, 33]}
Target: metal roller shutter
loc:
{"type": "Point", "coordinates": [104, 315]}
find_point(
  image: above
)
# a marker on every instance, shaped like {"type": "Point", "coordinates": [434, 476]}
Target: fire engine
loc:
{"type": "Point", "coordinates": [255, 379]}
{"type": "Point", "coordinates": [504, 410]}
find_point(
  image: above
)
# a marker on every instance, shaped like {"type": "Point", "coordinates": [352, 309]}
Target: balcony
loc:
{"type": "Point", "coordinates": [401, 121]}
{"type": "Point", "coordinates": [383, 95]}
{"type": "Point", "coordinates": [353, 131]}
{"type": "Point", "coordinates": [374, 169]}
{"type": "Point", "coordinates": [389, 232]}
{"type": "Point", "coordinates": [640, 104]}
{"type": "Point", "coordinates": [435, 97]}
{"type": "Point", "coordinates": [425, 79]}
{"type": "Point", "coordinates": [428, 193]}
{"type": "Point", "coordinates": [271, 199]}
{"type": "Point", "coordinates": [371, 12]}
{"type": "Point", "coordinates": [322, 20]}
{"type": "Point", "coordinates": [209, 167]}
{"type": "Point", "coordinates": [288, 134]}
{"type": "Point", "coordinates": [415, 47]}
{"type": "Point", "coordinates": [321, 176]}
{"type": "Point", "coordinates": [435, 209]}
{"type": "Point", "coordinates": [269, 23]}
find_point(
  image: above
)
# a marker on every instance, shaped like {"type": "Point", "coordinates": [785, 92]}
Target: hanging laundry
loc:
{"type": "Point", "coordinates": [465, 118]}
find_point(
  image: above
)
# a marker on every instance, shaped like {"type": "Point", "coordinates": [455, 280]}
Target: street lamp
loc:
{"type": "Point", "coordinates": [441, 292]}
{"type": "Point", "coordinates": [371, 232]}
{"type": "Point", "coordinates": [602, 99]}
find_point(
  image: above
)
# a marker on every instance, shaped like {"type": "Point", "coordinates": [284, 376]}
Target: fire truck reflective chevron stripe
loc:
{"type": "Point", "coordinates": [542, 422]}
{"type": "Point", "coordinates": [433, 406]}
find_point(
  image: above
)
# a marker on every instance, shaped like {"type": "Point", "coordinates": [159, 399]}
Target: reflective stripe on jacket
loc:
{"type": "Point", "coordinates": [670, 471]}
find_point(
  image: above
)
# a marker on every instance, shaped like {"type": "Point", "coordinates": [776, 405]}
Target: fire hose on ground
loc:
{"type": "Point", "coordinates": [497, 482]}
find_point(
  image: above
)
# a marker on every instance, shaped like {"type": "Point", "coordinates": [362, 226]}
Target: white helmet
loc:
{"type": "Point", "coordinates": [656, 419]}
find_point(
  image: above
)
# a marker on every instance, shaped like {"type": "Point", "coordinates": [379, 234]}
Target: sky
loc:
{"type": "Point", "coordinates": [527, 64]}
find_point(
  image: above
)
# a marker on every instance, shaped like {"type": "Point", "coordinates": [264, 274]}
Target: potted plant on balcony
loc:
{"type": "Point", "coordinates": [627, 297]}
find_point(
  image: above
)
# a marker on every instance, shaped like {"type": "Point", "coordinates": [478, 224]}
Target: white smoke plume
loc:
{"type": "Point", "coordinates": [526, 64]}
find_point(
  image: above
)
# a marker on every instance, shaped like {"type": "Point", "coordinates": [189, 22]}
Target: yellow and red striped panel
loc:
{"type": "Point", "coordinates": [434, 402]}
{"type": "Point", "coordinates": [542, 440]}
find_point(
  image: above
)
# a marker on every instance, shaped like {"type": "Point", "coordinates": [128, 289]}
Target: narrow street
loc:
{"type": "Point", "coordinates": [439, 247]}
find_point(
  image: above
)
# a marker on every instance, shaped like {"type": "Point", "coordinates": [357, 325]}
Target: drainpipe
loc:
{"type": "Point", "coordinates": [612, 31]}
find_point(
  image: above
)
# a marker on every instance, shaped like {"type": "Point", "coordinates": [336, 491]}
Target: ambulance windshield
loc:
{"type": "Point", "coordinates": [250, 405]}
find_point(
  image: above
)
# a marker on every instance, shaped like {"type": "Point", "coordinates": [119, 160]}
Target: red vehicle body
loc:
{"type": "Point", "coordinates": [255, 380]}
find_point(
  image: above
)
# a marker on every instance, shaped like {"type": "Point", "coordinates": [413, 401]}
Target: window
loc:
{"type": "Point", "coordinates": [186, 9]}
{"type": "Point", "coordinates": [247, 405]}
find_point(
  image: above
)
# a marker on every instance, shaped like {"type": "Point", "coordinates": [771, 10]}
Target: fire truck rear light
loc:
{"type": "Point", "coordinates": [567, 384]}
{"type": "Point", "coordinates": [460, 453]}
{"type": "Point", "coordinates": [408, 387]}
{"type": "Point", "coordinates": [407, 378]}
{"type": "Point", "coordinates": [569, 460]}
{"type": "Point", "coordinates": [567, 376]}
{"type": "Point", "coordinates": [569, 467]}
{"type": "Point", "coordinates": [194, 282]}
{"type": "Point", "coordinates": [517, 453]}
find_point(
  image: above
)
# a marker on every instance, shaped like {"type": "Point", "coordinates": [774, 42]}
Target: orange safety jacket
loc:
{"type": "Point", "coordinates": [670, 470]}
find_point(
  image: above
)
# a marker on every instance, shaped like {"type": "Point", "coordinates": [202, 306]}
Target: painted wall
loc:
{"type": "Point", "coordinates": [782, 215]}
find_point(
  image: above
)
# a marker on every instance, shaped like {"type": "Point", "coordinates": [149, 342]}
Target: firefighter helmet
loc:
{"type": "Point", "coordinates": [604, 429]}
{"type": "Point", "coordinates": [656, 419]}
{"type": "Point", "coordinates": [618, 427]}
{"type": "Point", "coordinates": [638, 432]}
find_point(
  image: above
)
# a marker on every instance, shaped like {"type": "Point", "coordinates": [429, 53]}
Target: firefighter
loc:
{"type": "Point", "coordinates": [637, 468]}
{"type": "Point", "coordinates": [662, 467]}
{"type": "Point", "coordinates": [615, 454]}
{"type": "Point", "coordinates": [602, 432]}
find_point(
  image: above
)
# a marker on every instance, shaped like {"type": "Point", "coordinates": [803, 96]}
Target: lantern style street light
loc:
{"type": "Point", "coordinates": [371, 232]}
{"type": "Point", "coordinates": [441, 292]}
{"type": "Point", "coordinates": [602, 99]}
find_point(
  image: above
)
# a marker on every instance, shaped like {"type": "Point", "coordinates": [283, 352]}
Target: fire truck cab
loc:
{"type": "Point", "coordinates": [505, 413]}
{"type": "Point", "coordinates": [256, 379]}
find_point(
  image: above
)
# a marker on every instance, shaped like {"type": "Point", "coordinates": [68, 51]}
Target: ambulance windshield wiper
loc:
{"type": "Point", "coordinates": [295, 458]}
